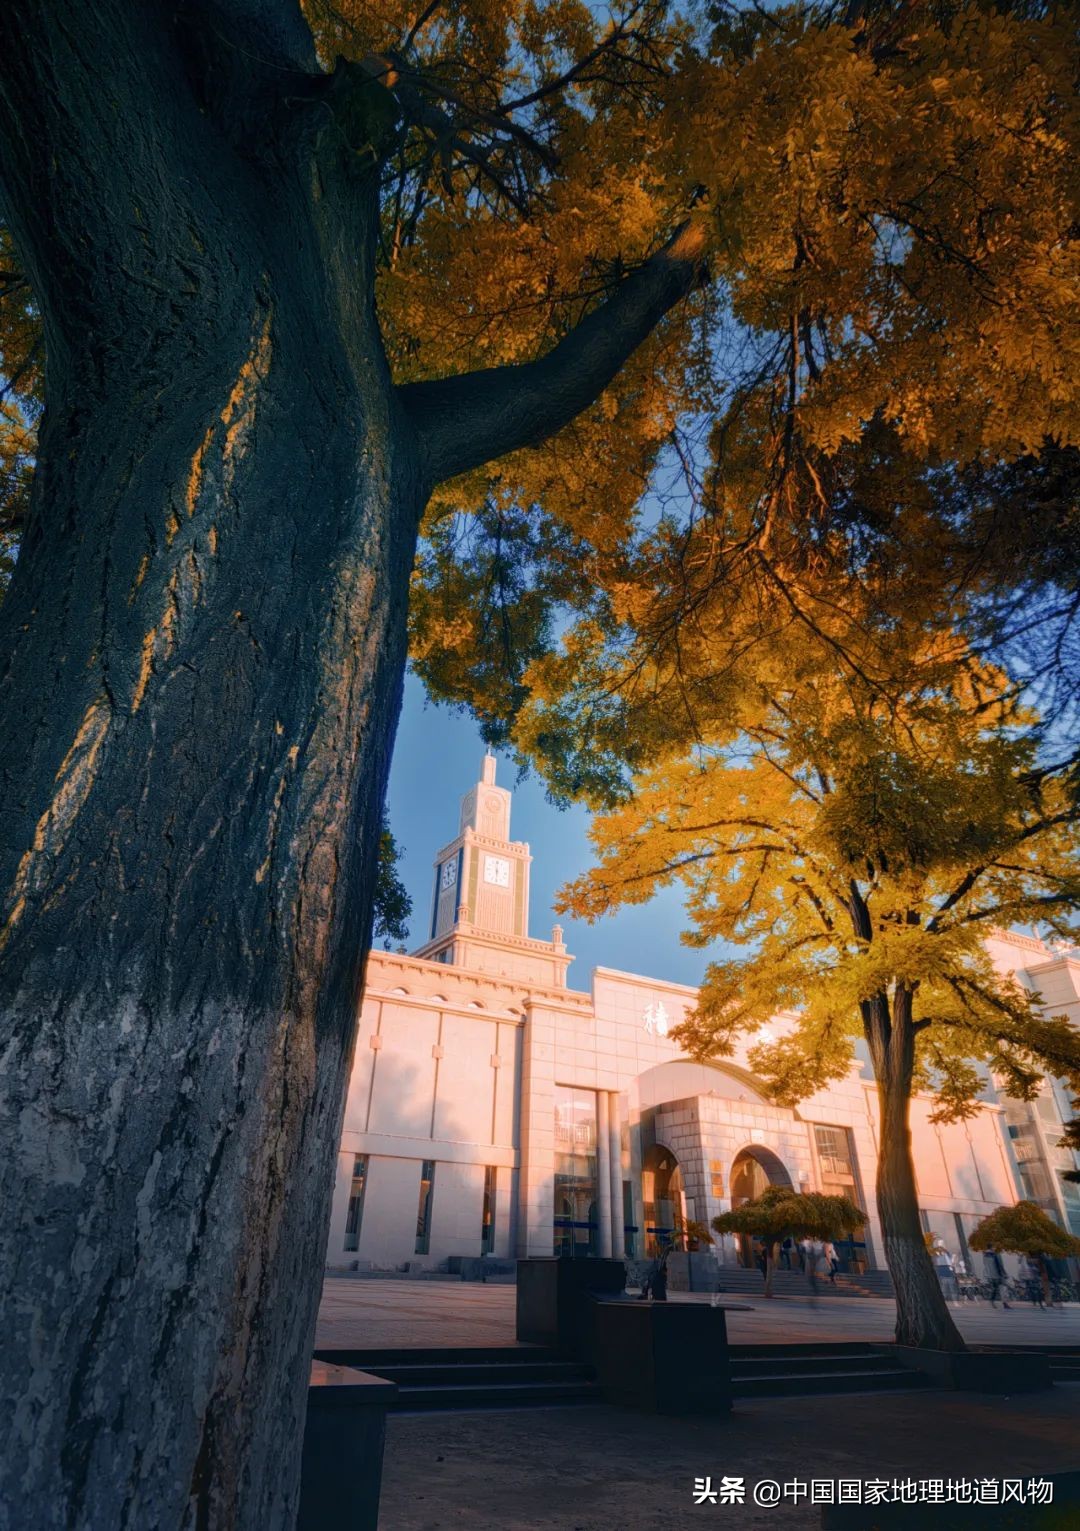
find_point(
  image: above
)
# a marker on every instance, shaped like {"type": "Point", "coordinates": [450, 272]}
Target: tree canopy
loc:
{"type": "Point", "coordinates": [886, 196]}
{"type": "Point", "coordinates": [1025, 1230]}
{"type": "Point", "coordinates": [846, 845]}
{"type": "Point", "coordinates": [781, 1213]}
{"type": "Point", "coordinates": [393, 906]}
{"type": "Point", "coordinates": [851, 811]}
{"type": "Point", "coordinates": [883, 372]}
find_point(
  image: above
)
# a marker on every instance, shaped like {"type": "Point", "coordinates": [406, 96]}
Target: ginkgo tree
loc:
{"type": "Point", "coordinates": [781, 1213]}
{"type": "Point", "coordinates": [279, 285]}
{"type": "Point", "coordinates": [1025, 1229]}
{"type": "Point", "coordinates": [855, 845]}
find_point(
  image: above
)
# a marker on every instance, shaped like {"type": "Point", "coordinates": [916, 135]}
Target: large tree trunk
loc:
{"type": "Point", "coordinates": [201, 658]}
{"type": "Point", "coordinates": [922, 1314]}
{"type": "Point", "coordinates": [203, 649]}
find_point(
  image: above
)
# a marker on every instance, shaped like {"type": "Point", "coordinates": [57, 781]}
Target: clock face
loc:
{"type": "Point", "coordinates": [497, 871]}
{"type": "Point", "coordinates": [449, 873]}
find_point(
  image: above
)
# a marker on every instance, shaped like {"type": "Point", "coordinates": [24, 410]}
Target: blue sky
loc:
{"type": "Point", "coordinates": [436, 760]}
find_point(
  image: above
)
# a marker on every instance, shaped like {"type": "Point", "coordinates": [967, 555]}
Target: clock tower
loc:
{"type": "Point", "coordinates": [482, 876]}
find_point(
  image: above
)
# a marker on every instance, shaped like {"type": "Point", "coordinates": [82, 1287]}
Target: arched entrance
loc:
{"type": "Point", "coordinates": [752, 1170]}
{"type": "Point", "coordinates": [663, 1195]}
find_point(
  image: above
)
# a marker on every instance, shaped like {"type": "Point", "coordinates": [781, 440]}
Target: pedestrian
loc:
{"type": "Point", "coordinates": [994, 1271]}
{"type": "Point", "coordinates": [785, 1253]}
{"type": "Point", "coordinates": [831, 1261]}
{"type": "Point", "coordinates": [812, 1259]}
{"type": "Point", "coordinates": [1033, 1281]}
{"type": "Point", "coordinates": [943, 1265]}
{"type": "Point", "coordinates": [1043, 1266]}
{"type": "Point", "coordinates": [761, 1258]}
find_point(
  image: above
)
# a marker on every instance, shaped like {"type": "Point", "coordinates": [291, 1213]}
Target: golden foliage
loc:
{"type": "Point", "coordinates": [850, 845]}
{"type": "Point", "coordinates": [1026, 1230]}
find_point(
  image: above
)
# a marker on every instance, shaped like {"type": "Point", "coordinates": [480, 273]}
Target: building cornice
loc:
{"type": "Point", "coordinates": [465, 930]}
{"type": "Point", "coordinates": [468, 835]}
{"type": "Point", "coordinates": [1026, 943]}
{"type": "Point", "coordinates": [645, 982]}
{"type": "Point", "coordinates": [386, 968]}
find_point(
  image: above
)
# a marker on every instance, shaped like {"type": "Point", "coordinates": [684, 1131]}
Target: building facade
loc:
{"type": "Point", "coordinates": [494, 1110]}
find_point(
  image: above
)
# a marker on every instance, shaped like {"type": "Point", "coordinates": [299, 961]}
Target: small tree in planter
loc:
{"type": "Point", "coordinates": [780, 1213]}
{"type": "Point", "coordinates": [687, 1236]}
{"type": "Point", "coordinates": [690, 1235]}
{"type": "Point", "coordinates": [1026, 1230]}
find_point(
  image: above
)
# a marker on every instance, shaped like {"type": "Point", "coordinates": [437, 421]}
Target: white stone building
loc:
{"type": "Point", "coordinates": [493, 1110]}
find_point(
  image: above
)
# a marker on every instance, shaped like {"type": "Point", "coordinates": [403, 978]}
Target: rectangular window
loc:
{"type": "Point", "coordinates": [961, 1241]}
{"type": "Point", "coordinates": [840, 1177]}
{"type": "Point", "coordinates": [487, 1227]}
{"type": "Point", "coordinates": [576, 1221]}
{"type": "Point", "coordinates": [834, 1154]}
{"type": "Point", "coordinates": [356, 1202]}
{"type": "Point", "coordinates": [1047, 1107]}
{"type": "Point", "coordinates": [423, 1211]}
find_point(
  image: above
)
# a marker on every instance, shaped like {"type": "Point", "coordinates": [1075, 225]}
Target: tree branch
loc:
{"type": "Point", "coordinates": [465, 421]}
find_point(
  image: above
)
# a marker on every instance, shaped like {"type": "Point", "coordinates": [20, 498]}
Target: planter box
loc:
{"type": "Point", "coordinates": [980, 1371]}
{"type": "Point", "coordinates": [553, 1298]}
{"type": "Point", "coordinates": [341, 1468]}
{"type": "Point", "coordinates": [663, 1358]}
{"type": "Point", "coordinates": [697, 1271]}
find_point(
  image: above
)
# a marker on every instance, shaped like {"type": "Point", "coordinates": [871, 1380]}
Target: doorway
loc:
{"type": "Point", "coordinates": [664, 1197]}
{"type": "Point", "coordinates": [752, 1171]}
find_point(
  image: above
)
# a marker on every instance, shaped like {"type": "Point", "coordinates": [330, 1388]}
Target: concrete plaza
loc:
{"type": "Point", "coordinates": [372, 1314]}
{"type": "Point", "coordinates": [596, 1468]}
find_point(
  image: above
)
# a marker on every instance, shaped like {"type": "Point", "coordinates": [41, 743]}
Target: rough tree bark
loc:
{"type": "Point", "coordinates": [922, 1314]}
{"type": "Point", "coordinates": [201, 659]}
{"type": "Point", "coordinates": [771, 1257]}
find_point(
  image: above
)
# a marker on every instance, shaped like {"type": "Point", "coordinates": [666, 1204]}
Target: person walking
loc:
{"type": "Point", "coordinates": [828, 1250]}
{"type": "Point", "coordinates": [785, 1253]}
{"type": "Point", "coordinates": [812, 1259]}
{"type": "Point", "coordinates": [943, 1265]}
{"type": "Point", "coordinates": [994, 1271]}
{"type": "Point", "coordinates": [1033, 1280]}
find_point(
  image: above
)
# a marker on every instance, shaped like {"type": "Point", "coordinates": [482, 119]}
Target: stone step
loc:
{"type": "Point", "coordinates": [372, 1360]}
{"type": "Point", "coordinates": [474, 1377]}
{"type": "Point", "coordinates": [795, 1284]}
{"type": "Point", "coordinates": [792, 1365]}
{"type": "Point", "coordinates": [495, 1395]}
{"type": "Point", "coordinates": [787, 1384]}
{"type": "Point", "coordinates": [848, 1348]}
{"type": "Point", "coordinates": [466, 1374]}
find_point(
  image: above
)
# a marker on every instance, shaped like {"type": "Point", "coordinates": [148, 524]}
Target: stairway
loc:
{"type": "Point", "coordinates": [1064, 1360]}
{"type": "Point", "coordinates": [784, 1371]}
{"type": "Point", "coordinates": [478, 1377]}
{"type": "Point", "coordinates": [1065, 1364]}
{"type": "Point", "coordinates": [750, 1283]}
{"type": "Point", "coordinates": [501, 1377]}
